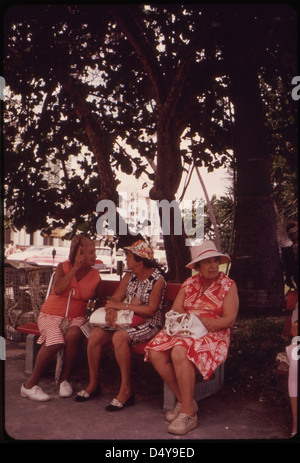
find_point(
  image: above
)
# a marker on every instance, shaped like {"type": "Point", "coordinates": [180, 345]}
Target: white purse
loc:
{"type": "Point", "coordinates": [124, 318]}
{"type": "Point", "coordinates": [184, 325]}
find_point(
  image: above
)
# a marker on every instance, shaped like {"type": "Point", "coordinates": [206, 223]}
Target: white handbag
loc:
{"type": "Point", "coordinates": [184, 325]}
{"type": "Point", "coordinates": [124, 318]}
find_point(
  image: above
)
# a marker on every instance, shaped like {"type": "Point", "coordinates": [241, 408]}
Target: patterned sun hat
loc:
{"type": "Point", "coordinates": [141, 249]}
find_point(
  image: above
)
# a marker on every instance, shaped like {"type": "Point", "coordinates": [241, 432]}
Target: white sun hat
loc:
{"type": "Point", "coordinates": [205, 251]}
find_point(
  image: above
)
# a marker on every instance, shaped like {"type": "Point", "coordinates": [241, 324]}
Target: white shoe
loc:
{"type": "Point", "coordinates": [183, 424]}
{"type": "Point", "coordinates": [172, 414]}
{"type": "Point", "coordinates": [35, 393]}
{"type": "Point", "coordinates": [65, 389]}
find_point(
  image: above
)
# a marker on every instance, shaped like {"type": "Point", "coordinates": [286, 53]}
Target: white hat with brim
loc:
{"type": "Point", "coordinates": [205, 251]}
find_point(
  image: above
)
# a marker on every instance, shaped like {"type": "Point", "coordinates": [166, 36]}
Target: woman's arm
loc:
{"type": "Point", "coordinates": [144, 310]}
{"type": "Point", "coordinates": [120, 293]}
{"type": "Point", "coordinates": [61, 280]}
{"type": "Point", "coordinates": [116, 298]}
{"type": "Point", "coordinates": [178, 304]}
{"type": "Point", "coordinates": [230, 311]}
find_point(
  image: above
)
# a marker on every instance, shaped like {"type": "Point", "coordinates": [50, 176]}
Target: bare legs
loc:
{"type": "Point", "coordinates": [47, 353]}
{"type": "Point", "coordinates": [97, 340]}
{"type": "Point", "coordinates": [294, 408]}
{"type": "Point", "coordinates": [120, 340]}
{"type": "Point", "coordinates": [292, 384]}
{"type": "Point", "coordinates": [72, 342]}
{"type": "Point", "coordinates": [179, 373]}
{"type": "Point", "coordinates": [44, 357]}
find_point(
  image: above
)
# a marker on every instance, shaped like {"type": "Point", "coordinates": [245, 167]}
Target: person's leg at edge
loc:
{"type": "Point", "coordinates": [293, 385]}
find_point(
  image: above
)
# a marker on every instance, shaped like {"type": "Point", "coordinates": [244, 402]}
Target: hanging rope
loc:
{"type": "Point", "coordinates": [211, 212]}
{"type": "Point", "coordinates": [234, 188]}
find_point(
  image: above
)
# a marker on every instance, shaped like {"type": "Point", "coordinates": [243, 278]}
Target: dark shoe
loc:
{"type": "Point", "coordinates": [116, 406]}
{"type": "Point", "coordinates": [83, 396]}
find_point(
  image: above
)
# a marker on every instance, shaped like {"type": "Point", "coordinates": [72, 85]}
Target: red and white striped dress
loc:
{"type": "Point", "coordinates": [210, 351]}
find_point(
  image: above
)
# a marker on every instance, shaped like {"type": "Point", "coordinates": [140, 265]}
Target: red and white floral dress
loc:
{"type": "Point", "coordinates": [210, 351]}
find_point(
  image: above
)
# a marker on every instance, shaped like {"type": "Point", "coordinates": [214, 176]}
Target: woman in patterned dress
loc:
{"type": "Point", "coordinates": [212, 296]}
{"type": "Point", "coordinates": [142, 291]}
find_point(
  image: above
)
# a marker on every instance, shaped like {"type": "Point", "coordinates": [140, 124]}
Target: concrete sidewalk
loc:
{"type": "Point", "coordinates": [221, 417]}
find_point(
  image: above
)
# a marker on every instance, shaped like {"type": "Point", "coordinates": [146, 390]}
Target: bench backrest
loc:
{"type": "Point", "coordinates": [171, 289]}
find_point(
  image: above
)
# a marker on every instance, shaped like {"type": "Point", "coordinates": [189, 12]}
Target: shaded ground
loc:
{"type": "Point", "coordinates": [251, 365]}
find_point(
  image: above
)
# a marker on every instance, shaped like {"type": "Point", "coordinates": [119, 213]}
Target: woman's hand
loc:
{"type": "Point", "coordinates": [111, 317]}
{"type": "Point", "coordinates": [62, 280]}
{"type": "Point", "coordinates": [209, 323]}
{"type": "Point", "coordinates": [79, 259]}
{"type": "Point", "coordinates": [113, 304]}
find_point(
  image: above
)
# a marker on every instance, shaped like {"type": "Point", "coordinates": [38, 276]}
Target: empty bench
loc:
{"type": "Point", "coordinates": [203, 388]}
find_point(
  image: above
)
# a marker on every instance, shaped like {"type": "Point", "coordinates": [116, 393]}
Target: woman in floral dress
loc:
{"type": "Point", "coordinates": [212, 296]}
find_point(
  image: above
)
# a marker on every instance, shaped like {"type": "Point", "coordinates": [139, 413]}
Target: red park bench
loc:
{"type": "Point", "coordinates": [203, 388]}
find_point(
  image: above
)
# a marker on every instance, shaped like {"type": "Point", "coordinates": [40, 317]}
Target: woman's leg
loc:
{"type": "Point", "coordinates": [73, 337]}
{"type": "Point", "coordinates": [97, 340]}
{"type": "Point", "coordinates": [162, 363]}
{"type": "Point", "coordinates": [185, 374]}
{"type": "Point", "coordinates": [44, 357]}
{"type": "Point", "coordinates": [293, 384]}
{"type": "Point", "coordinates": [121, 341]}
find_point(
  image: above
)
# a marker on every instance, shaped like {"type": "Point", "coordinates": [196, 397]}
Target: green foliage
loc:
{"type": "Point", "coordinates": [129, 62]}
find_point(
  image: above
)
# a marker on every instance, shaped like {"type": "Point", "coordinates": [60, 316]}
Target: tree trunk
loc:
{"type": "Point", "coordinates": [166, 94]}
{"type": "Point", "coordinates": [256, 265]}
{"type": "Point", "coordinates": [167, 180]}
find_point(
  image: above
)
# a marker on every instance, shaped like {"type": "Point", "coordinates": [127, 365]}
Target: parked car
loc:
{"type": "Point", "coordinates": [17, 259]}
{"type": "Point", "coordinates": [47, 258]}
{"type": "Point", "coordinates": [105, 254]}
